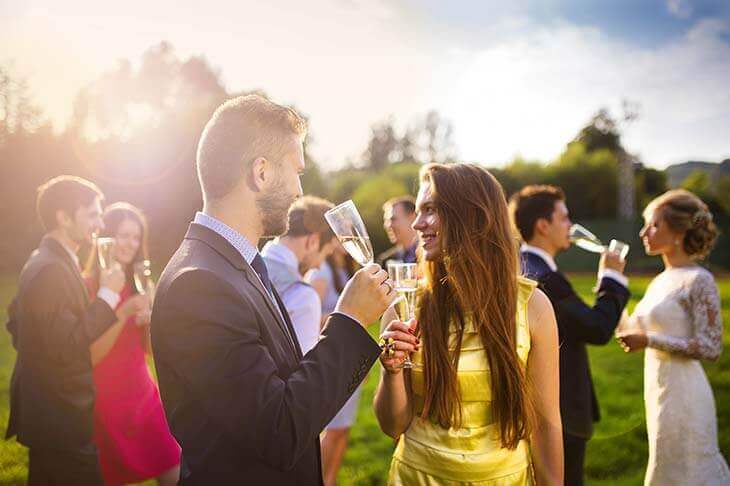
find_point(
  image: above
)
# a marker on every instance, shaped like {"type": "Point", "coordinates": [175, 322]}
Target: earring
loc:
{"type": "Point", "coordinates": [676, 242]}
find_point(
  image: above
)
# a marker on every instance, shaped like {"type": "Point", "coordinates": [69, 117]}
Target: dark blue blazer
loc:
{"type": "Point", "coordinates": [242, 401]}
{"type": "Point", "coordinates": [578, 325]}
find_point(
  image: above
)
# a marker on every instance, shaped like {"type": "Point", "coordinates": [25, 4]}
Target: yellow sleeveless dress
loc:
{"type": "Point", "coordinates": [428, 454]}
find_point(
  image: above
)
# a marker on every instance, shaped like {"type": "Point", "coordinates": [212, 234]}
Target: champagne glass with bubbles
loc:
{"type": "Point", "coordinates": [406, 284]}
{"type": "Point", "coordinates": [347, 225]}
{"type": "Point", "coordinates": [580, 236]}
{"type": "Point", "coordinates": [105, 248]}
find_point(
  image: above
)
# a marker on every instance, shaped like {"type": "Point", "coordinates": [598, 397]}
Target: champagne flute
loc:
{"type": "Point", "coordinates": [105, 249]}
{"type": "Point", "coordinates": [143, 279]}
{"type": "Point", "coordinates": [347, 225]}
{"type": "Point", "coordinates": [580, 236]}
{"type": "Point", "coordinates": [406, 284]}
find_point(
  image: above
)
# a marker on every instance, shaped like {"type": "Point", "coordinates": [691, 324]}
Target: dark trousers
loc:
{"type": "Point", "coordinates": [47, 467]}
{"type": "Point", "coordinates": [574, 451]}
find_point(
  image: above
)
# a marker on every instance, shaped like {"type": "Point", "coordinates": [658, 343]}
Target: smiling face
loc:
{"type": "Point", "coordinates": [128, 241]}
{"type": "Point", "coordinates": [85, 223]}
{"type": "Point", "coordinates": [428, 223]}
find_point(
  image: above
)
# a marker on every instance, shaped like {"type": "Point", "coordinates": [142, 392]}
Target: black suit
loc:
{"type": "Point", "coordinates": [578, 325]}
{"type": "Point", "coordinates": [53, 323]}
{"type": "Point", "coordinates": [243, 403]}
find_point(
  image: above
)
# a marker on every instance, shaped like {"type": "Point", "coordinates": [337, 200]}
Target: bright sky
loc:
{"type": "Point", "coordinates": [513, 79]}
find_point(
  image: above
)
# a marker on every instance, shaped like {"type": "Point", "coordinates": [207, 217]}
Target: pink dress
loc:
{"type": "Point", "coordinates": [130, 428]}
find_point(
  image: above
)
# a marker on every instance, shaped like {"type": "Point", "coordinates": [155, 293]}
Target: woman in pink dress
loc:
{"type": "Point", "coordinates": [130, 428]}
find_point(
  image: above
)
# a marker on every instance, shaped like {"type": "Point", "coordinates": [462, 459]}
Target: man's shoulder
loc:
{"type": "Point", "coordinates": [388, 254]}
{"type": "Point", "coordinates": [196, 264]}
{"type": "Point", "coordinates": [533, 266]}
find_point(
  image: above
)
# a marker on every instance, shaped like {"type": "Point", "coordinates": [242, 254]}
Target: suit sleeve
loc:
{"type": "Point", "coordinates": [577, 320]}
{"type": "Point", "coordinates": [66, 334]}
{"type": "Point", "coordinates": [209, 338]}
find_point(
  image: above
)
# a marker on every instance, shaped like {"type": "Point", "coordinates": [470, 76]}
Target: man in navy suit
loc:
{"type": "Point", "coordinates": [245, 404]}
{"type": "Point", "coordinates": [541, 217]}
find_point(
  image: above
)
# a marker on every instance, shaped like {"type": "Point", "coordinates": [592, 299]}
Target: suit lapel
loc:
{"type": "Point", "coordinates": [289, 325]}
{"type": "Point", "coordinates": [61, 253]}
{"type": "Point", "coordinates": [256, 283]}
{"type": "Point", "coordinates": [225, 249]}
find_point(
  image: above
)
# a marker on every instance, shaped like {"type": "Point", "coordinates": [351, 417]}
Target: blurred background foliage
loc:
{"type": "Point", "coordinates": [134, 131]}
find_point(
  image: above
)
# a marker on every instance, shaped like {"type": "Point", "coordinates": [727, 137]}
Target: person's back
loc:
{"type": "Point", "coordinates": [541, 218]}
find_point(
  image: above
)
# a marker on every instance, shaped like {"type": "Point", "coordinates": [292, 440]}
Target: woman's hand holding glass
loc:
{"type": "Point", "coordinates": [397, 342]}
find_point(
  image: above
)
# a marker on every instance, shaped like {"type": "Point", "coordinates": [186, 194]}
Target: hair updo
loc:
{"type": "Point", "coordinates": [685, 212]}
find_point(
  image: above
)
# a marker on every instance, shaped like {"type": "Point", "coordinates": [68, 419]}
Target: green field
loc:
{"type": "Point", "coordinates": [616, 455]}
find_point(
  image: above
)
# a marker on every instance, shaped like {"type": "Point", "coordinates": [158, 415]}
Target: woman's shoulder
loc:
{"type": "Point", "coordinates": [525, 289]}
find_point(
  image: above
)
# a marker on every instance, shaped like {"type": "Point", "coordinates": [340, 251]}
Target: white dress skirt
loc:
{"type": "Point", "coordinates": [681, 314]}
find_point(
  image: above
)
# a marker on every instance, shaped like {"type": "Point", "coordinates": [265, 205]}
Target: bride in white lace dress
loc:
{"type": "Point", "coordinates": [679, 324]}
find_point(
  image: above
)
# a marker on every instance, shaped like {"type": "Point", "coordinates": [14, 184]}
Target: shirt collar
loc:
{"type": "Point", "coordinates": [275, 250]}
{"type": "Point", "coordinates": [71, 253]}
{"type": "Point", "coordinates": [542, 254]}
{"type": "Point", "coordinates": [247, 250]}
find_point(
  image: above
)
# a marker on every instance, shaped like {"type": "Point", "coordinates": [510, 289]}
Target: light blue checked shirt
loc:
{"type": "Point", "coordinates": [239, 242]}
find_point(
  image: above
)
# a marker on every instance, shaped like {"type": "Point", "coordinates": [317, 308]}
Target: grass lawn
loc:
{"type": "Point", "coordinates": [616, 455]}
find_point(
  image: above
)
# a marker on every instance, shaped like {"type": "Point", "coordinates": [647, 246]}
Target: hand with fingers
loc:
{"type": "Point", "coordinates": [367, 295]}
{"type": "Point", "coordinates": [398, 340]}
{"type": "Point", "coordinates": [632, 340]}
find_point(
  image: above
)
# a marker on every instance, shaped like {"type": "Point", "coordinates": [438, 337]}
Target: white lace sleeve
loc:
{"type": "Point", "coordinates": [703, 307]}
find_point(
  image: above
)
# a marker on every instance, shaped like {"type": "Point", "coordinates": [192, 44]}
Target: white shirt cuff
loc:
{"type": "Point", "coordinates": [619, 277]}
{"type": "Point", "coordinates": [109, 296]}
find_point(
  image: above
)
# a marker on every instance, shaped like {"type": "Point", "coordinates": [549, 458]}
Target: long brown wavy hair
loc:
{"type": "Point", "coordinates": [475, 278]}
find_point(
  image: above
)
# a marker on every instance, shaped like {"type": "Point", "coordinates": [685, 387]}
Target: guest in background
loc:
{"type": "Point", "coordinates": [54, 322]}
{"type": "Point", "coordinates": [305, 245]}
{"type": "Point", "coordinates": [678, 322]}
{"type": "Point", "coordinates": [398, 216]}
{"type": "Point", "coordinates": [540, 217]}
{"type": "Point", "coordinates": [130, 429]}
{"type": "Point", "coordinates": [480, 406]}
{"type": "Point", "coordinates": [328, 281]}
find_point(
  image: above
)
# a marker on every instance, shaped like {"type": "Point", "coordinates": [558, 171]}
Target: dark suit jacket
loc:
{"type": "Point", "coordinates": [578, 324]}
{"type": "Point", "coordinates": [243, 403]}
{"type": "Point", "coordinates": [53, 323]}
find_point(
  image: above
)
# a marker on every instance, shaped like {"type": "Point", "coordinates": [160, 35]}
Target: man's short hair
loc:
{"type": "Point", "coordinates": [241, 130]}
{"type": "Point", "coordinates": [408, 203]}
{"type": "Point", "coordinates": [532, 203]}
{"type": "Point", "coordinates": [66, 193]}
{"type": "Point", "coordinates": [306, 217]}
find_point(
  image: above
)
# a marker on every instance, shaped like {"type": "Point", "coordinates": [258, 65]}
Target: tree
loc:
{"type": "Point", "coordinates": [382, 147]}
{"type": "Point", "coordinates": [17, 112]}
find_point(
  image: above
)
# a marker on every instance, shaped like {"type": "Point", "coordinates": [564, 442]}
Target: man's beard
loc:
{"type": "Point", "coordinates": [274, 208]}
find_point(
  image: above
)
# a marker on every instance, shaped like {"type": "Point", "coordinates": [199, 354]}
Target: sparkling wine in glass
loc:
{"type": "Point", "coordinates": [143, 279]}
{"type": "Point", "coordinates": [405, 278]}
{"type": "Point", "coordinates": [581, 237]}
{"type": "Point", "coordinates": [105, 249]}
{"type": "Point", "coordinates": [347, 225]}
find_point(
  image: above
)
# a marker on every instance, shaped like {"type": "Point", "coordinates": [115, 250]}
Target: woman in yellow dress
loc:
{"type": "Point", "coordinates": [480, 406]}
